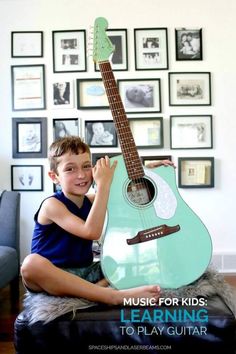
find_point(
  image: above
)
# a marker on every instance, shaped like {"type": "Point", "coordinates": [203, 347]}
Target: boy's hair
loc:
{"type": "Point", "coordinates": [71, 144]}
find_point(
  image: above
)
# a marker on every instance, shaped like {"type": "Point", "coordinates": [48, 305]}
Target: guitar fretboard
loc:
{"type": "Point", "coordinates": [132, 160]}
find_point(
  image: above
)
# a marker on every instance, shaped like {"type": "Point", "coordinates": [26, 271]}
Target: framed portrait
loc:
{"type": "Point", "coordinates": [28, 87]}
{"type": "Point", "coordinates": [148, 132]}
{"type": "Point", "coordinates": [119, 59]}
{"type": "Point", "coordinates": [65, 127]}
{"type": "Point", "coordinates": [188, 44]}
{"type": "Point", "coordinates": [189, 88]}
{"type": "Point", "coordinates": [151, 48]}
{"type": "Point", "coordinates": [100, 133]}
{"type": "Point", "coordinates": [96, 156]}
{"type": "Point", "coordinates": [27, 178]}
{"type": "Point", "coordinates": [63, 95]}
{"type": "Point", "coordinates": [91, 94]}
{"type": "Point", "coordinates": [191, 132]}
{"type": "Point", "coordinates": [27, 44]}
{"type": "Point", "coordinates": [29, 137]}
{"type": "Point", "coordinates": [149, 160]}
{"type": "Point", "coordinates": [69, 51]}
{"type": "Point", "coordinates": [140, 95]}
{"type": "Point", "coordinates": [196, 172]}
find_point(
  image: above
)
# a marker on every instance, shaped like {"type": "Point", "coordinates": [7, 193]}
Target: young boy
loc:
{"type": "Point", "coordinates": [61, 262]}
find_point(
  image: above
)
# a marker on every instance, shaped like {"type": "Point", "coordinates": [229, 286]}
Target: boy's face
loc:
{"type": "Point", "coordinates": [74, 173]}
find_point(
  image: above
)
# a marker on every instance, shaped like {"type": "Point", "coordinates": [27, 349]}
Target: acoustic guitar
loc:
{"type": "Point", "coordinates": [152, 236]}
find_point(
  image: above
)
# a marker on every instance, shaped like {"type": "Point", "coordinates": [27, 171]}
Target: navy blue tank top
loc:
{"type": "Point", "coordinates": [59, 246]}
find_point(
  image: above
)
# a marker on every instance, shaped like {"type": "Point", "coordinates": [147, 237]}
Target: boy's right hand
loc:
{"type": "Point", "coordinates": [103, 172]}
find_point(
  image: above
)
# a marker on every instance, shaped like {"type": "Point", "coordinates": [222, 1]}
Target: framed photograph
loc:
{"type": "Point", "coordinates": [190, 89]}
{"type": "Point", "coordinates": [188, 44]}
{"type": "Point", "coordinates": [63, 94]}
{"type": "Point", "coordinates": [119, 59]}
{"type": "Point", "coordinates": [140, 95]}
{"type": "Point", "coordinates": [27, 44]}
{"type": "Point", "coordinates": [196, 172]}
{"type": "Point", "coordinates": [27, 178]}
{"type": "Point", "coordinates": [148, 132]}
{"type": "Point", "coordinates": [151, 48]}
{"type": "Point", "coordinates": [100, 133]}
{"type": "Point", "coordinates": [29, 137]}
{"type": "Point", "coordinates": [65, 127]}
{"type": "Point", "coordinates": [28, 87]}
{"type": "Point", "coordinates": [147, 160]}
{"type": "Point", "coordinates": [91, 94]}
{"type": "Point", "coordinates": [69, 51]}
{"type": "Point", "coordinates": [97, 156]}
{"type": "Point", "coordinates": [191, 132]}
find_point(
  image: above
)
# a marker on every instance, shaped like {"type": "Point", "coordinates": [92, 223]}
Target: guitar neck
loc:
{"type": "Point", "coordinates": [132, 160]}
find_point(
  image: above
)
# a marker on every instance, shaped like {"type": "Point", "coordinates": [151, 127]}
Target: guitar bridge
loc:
{"type": "Point", "coordinates": [153, 234]}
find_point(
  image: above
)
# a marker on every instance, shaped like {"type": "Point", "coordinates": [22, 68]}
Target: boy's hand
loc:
{"type": "Point", "coordinates": [103, 172]}
{"type": "Point", "coordinates": [159, 163]}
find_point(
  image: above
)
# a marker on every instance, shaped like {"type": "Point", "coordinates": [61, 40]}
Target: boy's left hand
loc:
{"type": "Point", "coordinates": [159, 163]}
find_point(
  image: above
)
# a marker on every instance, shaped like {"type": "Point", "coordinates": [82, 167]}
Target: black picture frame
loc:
{"type": "Point", "coordinates": [91, 94]}
{"type": "Point", "coordinates": [27, 44]}
{"type": "Point", "coordinates": [29, 137]}
{"type": "Point", "coordinates": [140, 95]}
{"type": "Point", "coordinates": [189, 88]}
{"type": "Point", "coordinates": [191, 132]}
{"type": "Point", "coordinates": [100, 133]}
{"type": "Point", "coordinates": [98, 155]}
{"type": "Point", "coordinates": [196, 172]}
{"type": "Point", "coordinates": [63, 94]}
{"type": "Point", "coordinates": [69, 51]}
{"type": "Point", "coordinates": [28, 87]}
{"type": "Point", "coordinates": [27, 178]}
{"type": "Point", "coordinates": [151, 48]}
{"type": "Point", "coordinates": [188, 44]}
{"type": "Point", "coordinates": [147, 132]}
{"type": "Point", "coordinates": [119, 59]}
{"type": "Point", "coordinates": [63, 127]}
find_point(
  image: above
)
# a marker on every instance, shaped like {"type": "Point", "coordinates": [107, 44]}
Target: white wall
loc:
{"type": "Point", "coordinates": [215, 206]}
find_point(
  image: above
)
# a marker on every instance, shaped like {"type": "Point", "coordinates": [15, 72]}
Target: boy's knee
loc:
{"type": "Point", "coordinates": [32, 264]}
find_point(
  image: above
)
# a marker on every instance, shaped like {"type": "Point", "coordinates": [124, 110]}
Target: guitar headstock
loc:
{"type": "Point", "coordinates": [102, 46]}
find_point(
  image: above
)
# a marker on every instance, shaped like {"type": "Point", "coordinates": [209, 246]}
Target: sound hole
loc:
{"type": "Point", "coordinates": [140, 191]}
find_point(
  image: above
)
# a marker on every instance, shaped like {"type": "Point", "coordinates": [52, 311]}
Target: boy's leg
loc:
{"type": "Point", "coordinates": [39, 274]}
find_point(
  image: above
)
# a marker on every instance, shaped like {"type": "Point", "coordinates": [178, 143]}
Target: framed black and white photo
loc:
{"type": "Point", "coordinates": [151, 160]}
{"type": "Point", "coordinates": [27, 178]}
{"type": "Point", "coordinates": [27, 44]}
{"type": "Point", "coordinates": [119, 59]}
{"type": "Point", "coordinates": [140, 95]}
{"type": "Point", "coordinates": [91, 94]}
{"type": "Point", "coordinates": [196, 172]}
{"type": "Point", "coordinates": [151, 48]}
{"type": "Point", "coordinates": [188, 44]}
{"type": "Point", "coordinates": [63, 94]}
{"type": "Point", "coordinates": [63, 127]}
{"type": "Point", "coordinates": [96, 156]}
{"type": "Point", "coordinates": [148, 132]}
{"type": "Point", "coordinates": [191, 132]}
{"type": "Point", "coordinates": [28, 87]}
{"type": "Point", "coordinates": [190, 88]}
{"type": "Point", "coordinates": [29, 137]}
{"type": "Point", "coordinates": [100, 133]}
{"type": "Point", "coordinates": [69, 51]}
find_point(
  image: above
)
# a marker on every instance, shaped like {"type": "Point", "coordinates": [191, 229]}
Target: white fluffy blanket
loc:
{"type": "Point", "coordinates": [44, 307]}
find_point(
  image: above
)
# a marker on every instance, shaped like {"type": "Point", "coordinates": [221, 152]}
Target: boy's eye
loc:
{"type": "Point", "coordinates": [87, 166]}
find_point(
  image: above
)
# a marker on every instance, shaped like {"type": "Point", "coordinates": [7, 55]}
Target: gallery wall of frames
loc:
{"type": "Point", "coordinates": [142, 99]}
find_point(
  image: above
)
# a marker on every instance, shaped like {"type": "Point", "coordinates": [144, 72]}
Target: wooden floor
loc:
{"type": "Point", "coordinates": [9, 314]}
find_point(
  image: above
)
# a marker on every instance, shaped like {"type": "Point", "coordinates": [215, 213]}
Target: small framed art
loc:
{"type": "Point", "coordinates": [151, 48]}
{"type": "Point", "coordinates": [100, 133]}
{"type": "Point", "coordinates": [119, 59]}
{"type": "Point", "coordinates": [65, 127]}
{"type": "Point", "coordinates": [191, 132]}
{"type": "Point", "coordinates": [196, 172]}
{"type": "Point", "coordinates": [27, 178]}
{"type": "Point", "coordinates": [188, 44]}
{"type": "Point", "coordinates": [63, 94]}
{"type": "Point", "coordinates": [91, 94]}
{"type": "Point", "coordinates": [69, 51]}
{"type": "Point", "coordinates": [28, 87]}
{"type": "Point", "coordinates": [148, 132]}
{"type": "Point", "coordinates": [140, 95]}
{"type": "Point", "coordinates": [189, 89]}
{"type": "Point", "coordinates": [29, 137]}
{"type": "Point", "coordinates": [27, 44]}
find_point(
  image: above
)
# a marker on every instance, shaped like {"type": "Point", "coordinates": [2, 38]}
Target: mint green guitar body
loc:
{"type": "Point", "coordinates": [171, 261]}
